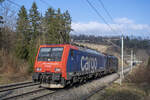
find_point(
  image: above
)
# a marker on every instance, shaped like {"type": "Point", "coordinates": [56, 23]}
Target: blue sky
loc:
{"type": "Point", "coordinates": [130, 16]}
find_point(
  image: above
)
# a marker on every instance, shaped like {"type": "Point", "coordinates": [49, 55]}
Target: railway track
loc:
{"type": "Point", "coordinates": [41, 95]}
{"type": "Point", "coordinates": [30, 95]}
{"type": "Point", "coordinates": [16, 86]}
{"type": "Point", "coordinates": [23, 91]}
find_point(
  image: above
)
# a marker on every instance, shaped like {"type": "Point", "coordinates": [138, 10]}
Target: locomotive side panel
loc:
{"type": "Point", "coordinates": [112, 64]}
{"type": "Point", "coordinates": [81, 63]}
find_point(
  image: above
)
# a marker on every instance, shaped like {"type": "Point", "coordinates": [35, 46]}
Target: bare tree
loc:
{"type": "Point", "coordinates": [8, 26]}
{"type": "Point", "coordinates": [9, 15]}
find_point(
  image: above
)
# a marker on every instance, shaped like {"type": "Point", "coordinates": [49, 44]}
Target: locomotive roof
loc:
{"type": "Point", "coordinates": [90, 51]}
{"type": "Point", "coordinates": [85, 49]}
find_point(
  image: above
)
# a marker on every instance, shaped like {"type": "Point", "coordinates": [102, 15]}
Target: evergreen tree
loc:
{"type": "Point", "coordinates": [34, 17]}
{"type": "Point", "coordinates": [35, 29]}
{"type": "Point", "coordinates": [1, 35]}
{"type": "Point", "coordinates": [58, 26]}
{"type": "Point", "coordinates": [51, 25]}
{"type": "Point", "coordinates": [22, 34]}
{"type": "Point", "coordinates": [1, 22]}
{"type": "Point", "coordinates": [67, 27]}
{"type": "Point", "coordinates": [1, 1]}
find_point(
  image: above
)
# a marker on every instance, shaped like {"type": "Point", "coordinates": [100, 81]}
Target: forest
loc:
{"type": "Point", "coordinates": [21, 33]}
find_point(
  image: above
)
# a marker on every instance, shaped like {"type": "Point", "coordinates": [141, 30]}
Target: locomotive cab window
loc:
{"type": "Point", "coordinates": [50, 54]}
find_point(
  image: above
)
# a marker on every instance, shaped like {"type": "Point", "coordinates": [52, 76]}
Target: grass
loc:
{"type": "Point", "coordinates": [136, 86]}
{"type": "Point", "coordinates": [8, 78]}
{"type": "Point", "coordinates": [124, 92]}
{"type": "Point", "coordinates": [4, 80]}
{"type": "Point", "coordinates": [12, 69]}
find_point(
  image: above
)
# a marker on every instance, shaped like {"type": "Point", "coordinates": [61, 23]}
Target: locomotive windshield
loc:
{"type": "Point", "coordinates": [50, 54]}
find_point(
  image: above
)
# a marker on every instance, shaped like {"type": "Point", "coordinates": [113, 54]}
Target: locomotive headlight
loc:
{"type": "Point", "coordinates": [57, 69]}
{"type": "Point", "coordinates": [38, 69]}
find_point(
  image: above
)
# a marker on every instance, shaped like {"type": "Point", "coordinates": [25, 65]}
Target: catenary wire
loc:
{"type": "Point", "coordinates": [100, 16]}
{"type": "Point", "coordinates": [107, 12]}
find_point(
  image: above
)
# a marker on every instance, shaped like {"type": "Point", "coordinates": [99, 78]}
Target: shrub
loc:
{"type": "Point", "coordinates": [148, 64]}
{"type": "Point", "coordinates": [140, 75]}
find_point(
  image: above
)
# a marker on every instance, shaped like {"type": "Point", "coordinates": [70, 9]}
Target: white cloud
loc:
{"type": "Point", "coordinates": [139, 26]}
{"type": "Point", "coordinates": [124, 24]}
{"type": "Point", "coordinates": [123, 20]}
{"type": "Point", "coordinates": [90, 27]}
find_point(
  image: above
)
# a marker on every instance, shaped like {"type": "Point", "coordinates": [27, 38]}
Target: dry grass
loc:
{"type": "Point", "coordinates": [127, 91]}
{"type": "Point", "coordinates": [12, 69]}
{"type": "Point", "coordinates": [140, 75]}
{"type": "Point", "coordinates": [115, 92]}
{"type": "Point", "coordinates": [136, 86]}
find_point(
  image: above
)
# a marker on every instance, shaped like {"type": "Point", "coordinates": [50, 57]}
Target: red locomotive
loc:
{"type": "Point", "coordinates": [59, 65]}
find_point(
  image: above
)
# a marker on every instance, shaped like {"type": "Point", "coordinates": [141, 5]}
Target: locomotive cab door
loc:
{"type": "Point", "coordinates": [72, 61]}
